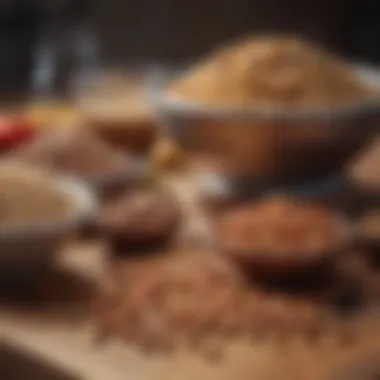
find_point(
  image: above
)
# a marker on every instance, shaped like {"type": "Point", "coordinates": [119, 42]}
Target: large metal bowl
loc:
{"type": "Point", "coordinates": [268, 146]}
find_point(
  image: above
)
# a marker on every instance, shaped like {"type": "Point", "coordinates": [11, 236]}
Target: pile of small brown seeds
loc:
{"type": "Point", "coordinates": [199, 303]}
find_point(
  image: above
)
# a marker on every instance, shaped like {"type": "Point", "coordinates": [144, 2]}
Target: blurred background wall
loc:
{"type": "Point", "coordinates": [180, 29]}
{"type": "Point", "coordinates": [78, 32]}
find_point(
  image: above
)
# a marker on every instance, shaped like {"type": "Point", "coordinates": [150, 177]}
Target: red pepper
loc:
{"type": "Point", "coordinates": [14, 132]}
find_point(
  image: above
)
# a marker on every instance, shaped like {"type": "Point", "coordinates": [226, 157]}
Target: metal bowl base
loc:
{"type": "Point", "coordinates": [322, 188]}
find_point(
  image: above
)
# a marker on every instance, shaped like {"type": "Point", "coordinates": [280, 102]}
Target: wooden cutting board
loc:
{"type": "Point", "coordinates": [63, 333]}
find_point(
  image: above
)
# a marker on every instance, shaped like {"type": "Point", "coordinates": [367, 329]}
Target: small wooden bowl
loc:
{"type": "Point", "coordinates": [129, 230]}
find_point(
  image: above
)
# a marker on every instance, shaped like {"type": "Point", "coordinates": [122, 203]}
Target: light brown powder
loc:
{"type": "Point", "coordinates": [271, 72]}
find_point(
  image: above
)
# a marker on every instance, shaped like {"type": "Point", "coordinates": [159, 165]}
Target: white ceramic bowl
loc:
{"type": "Point", "coordinates": [34, 245]}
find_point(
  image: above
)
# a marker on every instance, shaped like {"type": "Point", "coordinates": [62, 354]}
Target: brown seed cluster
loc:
{"type": "Point", "coordinates": [279, 227]}
{"type": "Point", "coordinates": [199, 303]}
